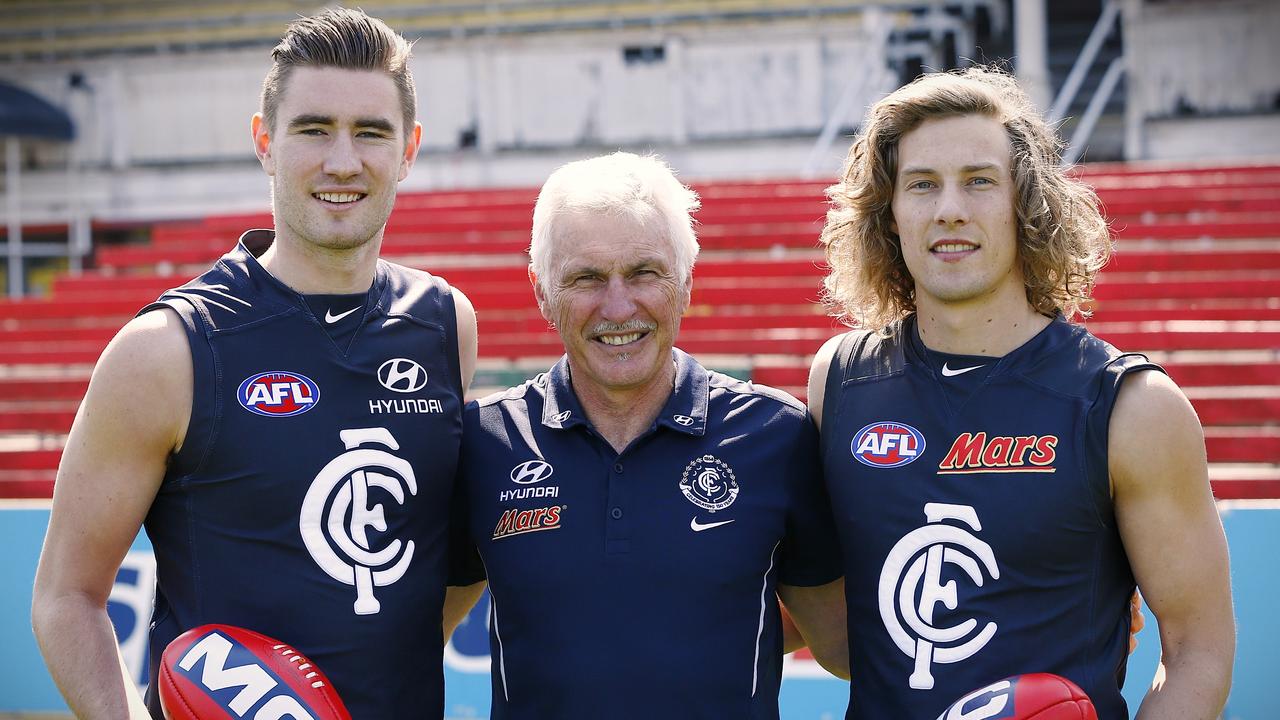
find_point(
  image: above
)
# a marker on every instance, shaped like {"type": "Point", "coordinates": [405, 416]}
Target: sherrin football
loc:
{"type": "Point", "coordinates": [1036, 696]}
{"type": "Point", "coordinates": [222, 672]}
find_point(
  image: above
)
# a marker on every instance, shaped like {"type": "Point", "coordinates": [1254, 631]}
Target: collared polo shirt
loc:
{"type": "Point", "coordinates": [641, 584]}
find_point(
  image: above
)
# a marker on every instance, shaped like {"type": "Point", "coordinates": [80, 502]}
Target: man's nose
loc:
{"type": "Point", "coordinates": [342, 159]}
{"type": "Point", "coordinates": [619, 302]}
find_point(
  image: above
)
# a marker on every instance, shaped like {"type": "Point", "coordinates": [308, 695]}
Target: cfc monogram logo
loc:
{"type": "Point", "coordinates": [913, 573]}
{"type": "Point", "coordinates": [347, 480]}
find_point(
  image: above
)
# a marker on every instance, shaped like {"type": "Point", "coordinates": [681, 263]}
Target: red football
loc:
{"type": "Point", "coordinates": [222, 672]}
{"type": "Point", "coordinates": [1036, 696]}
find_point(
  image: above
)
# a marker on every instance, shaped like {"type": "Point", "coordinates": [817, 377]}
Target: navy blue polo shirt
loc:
{"type": "Point", "coordinates": [641, 584]}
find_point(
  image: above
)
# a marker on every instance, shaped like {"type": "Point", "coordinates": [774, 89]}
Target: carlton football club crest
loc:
{"type": "Point", "coordinates": [886, 444]}
{"type": "Point", "coordinates": [342, 519]}
{"type": "Point", "coordinates": [709, 483]}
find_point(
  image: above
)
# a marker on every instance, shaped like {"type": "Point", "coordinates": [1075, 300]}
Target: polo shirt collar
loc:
{"type": "Point", "coordinates": [684, 412]}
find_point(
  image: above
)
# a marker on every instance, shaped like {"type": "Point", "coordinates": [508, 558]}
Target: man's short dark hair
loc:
{"type": "Point", "coordinates": [345, 39]}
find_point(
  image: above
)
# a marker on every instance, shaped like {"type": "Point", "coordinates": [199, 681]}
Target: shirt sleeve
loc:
{"type": "Point", "coordinates": [810, 552]}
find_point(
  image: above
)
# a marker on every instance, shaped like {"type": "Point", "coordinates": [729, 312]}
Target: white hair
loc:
{"type": "Point", "coordinates": [643, 188]}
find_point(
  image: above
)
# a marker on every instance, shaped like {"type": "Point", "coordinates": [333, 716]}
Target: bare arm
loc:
{"type": "Point", "coordinates": [818, 377]}
{"type": "Point", "coordinates": [468, 341]}
{"type": "Point", "coordinates": [1175, 543]}
{"type": "Point", "coordinates": [458, 601]}
{"type": "Point", "coordinates": [819, 614]}
{"type": "Point", "coordinates": [133, 417]}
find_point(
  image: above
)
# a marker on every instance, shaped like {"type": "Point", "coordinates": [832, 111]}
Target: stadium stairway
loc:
{"type": "Point", "coordinates": [1195, 283]}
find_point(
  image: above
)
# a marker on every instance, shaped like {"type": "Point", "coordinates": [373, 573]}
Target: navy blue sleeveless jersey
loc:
{"type": "Point", "coordinates": [978, 531]}
{"type": "Point", "coordinates": [641, 585]}
{"type": "Point", "coordinates": [310, 499]}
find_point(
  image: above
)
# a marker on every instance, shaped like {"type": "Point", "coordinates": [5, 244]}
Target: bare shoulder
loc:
{"type": "Point", "coordinates": [818, 376]}
{"type": "Point", "coordinates": [145, 374]}
{"type": "Point", "coordinates": [1154, 437]}
{"type": "Point", "coordinates": [468, 340]}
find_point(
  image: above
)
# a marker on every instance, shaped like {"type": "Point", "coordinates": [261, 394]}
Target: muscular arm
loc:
{"type": "Point", "coordinates": [818, 377]}
{"type": "Point", "coordinates": [819, 615]}
{"type": "Point", "coordinates": [132, 418]}
{"type": "Point", "coordinates": [1175, 543]}
{"type": "Point", "coordinates": [468, 341]}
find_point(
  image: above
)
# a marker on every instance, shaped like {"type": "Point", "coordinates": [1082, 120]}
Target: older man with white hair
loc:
{"type": "Point", "coordinates": [635, 512]}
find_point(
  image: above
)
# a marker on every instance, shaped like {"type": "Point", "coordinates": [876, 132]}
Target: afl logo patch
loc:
{"type": "Point", "coordinates": [530, 472]}
{"type": "Point", "coordinates": [887, 444]}
{"type": "Point", "coordinates": [278, 394]}
{"type": "Point", "coordinates": [709, 483]}
{"type": "Point", "coordinates": [402, 375]}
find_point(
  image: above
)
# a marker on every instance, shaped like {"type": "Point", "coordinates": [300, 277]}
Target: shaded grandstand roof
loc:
{"type": "Point", "coordinates": [26, 114]}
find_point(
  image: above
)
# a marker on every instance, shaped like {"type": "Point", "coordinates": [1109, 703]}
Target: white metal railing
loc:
{"type": "Point", "coordinates": [1102, 29]}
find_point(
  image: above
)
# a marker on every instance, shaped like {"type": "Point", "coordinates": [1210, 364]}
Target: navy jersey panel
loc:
{"type": "Point", "coordinates": [310, 500]}
{"type": "Point", "coordinates": [641, 584]}
{"type": "Point", "coordinates": [978, 531]}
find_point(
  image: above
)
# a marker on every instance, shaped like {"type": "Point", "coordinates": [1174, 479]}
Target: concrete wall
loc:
{"type": "Point", "coordinates": [168, 135]}
{"type": "Point", "coordinates": [1194, 60]}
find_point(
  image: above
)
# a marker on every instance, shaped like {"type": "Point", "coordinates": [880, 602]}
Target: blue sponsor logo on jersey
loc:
{"type": "Point", "coordinates": [278, 394]}
{"type": "Point", "coordinates": [886, 444]}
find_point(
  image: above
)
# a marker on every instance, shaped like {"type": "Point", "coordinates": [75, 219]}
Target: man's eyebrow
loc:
{"type": "Point", "coordinates": [977, 167]}
{"type": "Point", "coordinates": [310, 119]}
{"type": "Point", "coordinates": [376, 123]}
{"type": "Point", "coordinates": [372, 123]}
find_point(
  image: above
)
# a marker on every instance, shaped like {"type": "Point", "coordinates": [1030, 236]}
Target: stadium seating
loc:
{"type": "Point", "coordinates": [1195, 282]}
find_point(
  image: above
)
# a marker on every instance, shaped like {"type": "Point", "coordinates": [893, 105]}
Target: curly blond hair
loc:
{"type": "Point", "coordinates": [1063, 240]}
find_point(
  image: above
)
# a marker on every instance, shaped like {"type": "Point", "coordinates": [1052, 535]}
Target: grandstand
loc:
{"type": "Point", "coordinates": [1195, 283]}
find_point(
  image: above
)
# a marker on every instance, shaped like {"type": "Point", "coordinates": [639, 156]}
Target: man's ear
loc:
{"type": "Point", "coordinates": [412, 142]}
{"type": "Point", "coordinates": [543, 305]}
{"type": "Point", "coordinates": [262, 142]}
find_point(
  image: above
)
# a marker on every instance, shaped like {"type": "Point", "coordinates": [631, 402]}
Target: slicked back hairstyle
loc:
{"type": "Point", "coordinates": [345, 39]}
{"type": "Point", "coordinates": [643, 189]}
{"type": "Point", "coordinates": [1063, 240]}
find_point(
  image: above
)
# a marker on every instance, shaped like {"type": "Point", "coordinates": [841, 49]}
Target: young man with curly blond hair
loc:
{"type": "Point", "coordinates": [1000, 476]}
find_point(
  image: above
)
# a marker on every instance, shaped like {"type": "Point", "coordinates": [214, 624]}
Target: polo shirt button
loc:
{"type": "Point", "coordinates": [617, 467]}
{"type": "Point", "coordinates": [616, 513]}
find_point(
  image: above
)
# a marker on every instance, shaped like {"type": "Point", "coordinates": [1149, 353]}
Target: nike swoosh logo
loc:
{"type": "Point", "coordinates": [699, 527]}
{"type": "Point", "coordinates": [948, 372]}
{"type": "Point", "coordinates": [330, 318]}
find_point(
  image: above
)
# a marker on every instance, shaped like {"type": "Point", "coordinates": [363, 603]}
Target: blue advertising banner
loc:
{"type": "Point", "coordinates": [808, 693]}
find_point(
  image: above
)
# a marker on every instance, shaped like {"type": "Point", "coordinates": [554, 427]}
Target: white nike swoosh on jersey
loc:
{"type": "Point", "coordinates": [699, 527]}
{"type": "Point", "coordinates": [948, 372]}
{"type": "Point", "coordinates": [330, 318]}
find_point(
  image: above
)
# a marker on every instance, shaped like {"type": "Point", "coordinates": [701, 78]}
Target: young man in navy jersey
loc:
{"type": "Point", "coordinates": [638, 515]}
{"type": "Point", "coordinates": [1000, 477]}
{"type": "Point", "coordinates": [288, 423]}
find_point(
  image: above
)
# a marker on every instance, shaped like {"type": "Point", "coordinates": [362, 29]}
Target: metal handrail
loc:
{"type": "Point", "coordinates": [1088, 54]}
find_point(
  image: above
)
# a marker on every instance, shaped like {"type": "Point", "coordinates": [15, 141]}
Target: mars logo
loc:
{"type": "Point", "coordinates": [519, 522]}
{"type": "Point", "coordinates": [975, 453]}
{"type": "Point", "coordinates": [278, 394]}
{"type": "Point", "coordinates": [348, 479]}
{"type": "Point", "coordinates": [709, 483]}
{"type": "Point", "coordinates": [530, 472]}
{"type": "Point", "coordinates": [887, 444]}
{"type": "Point", "coordinates": [913, 573]}
{"type": "Point", "coordinates": [402, 375]}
